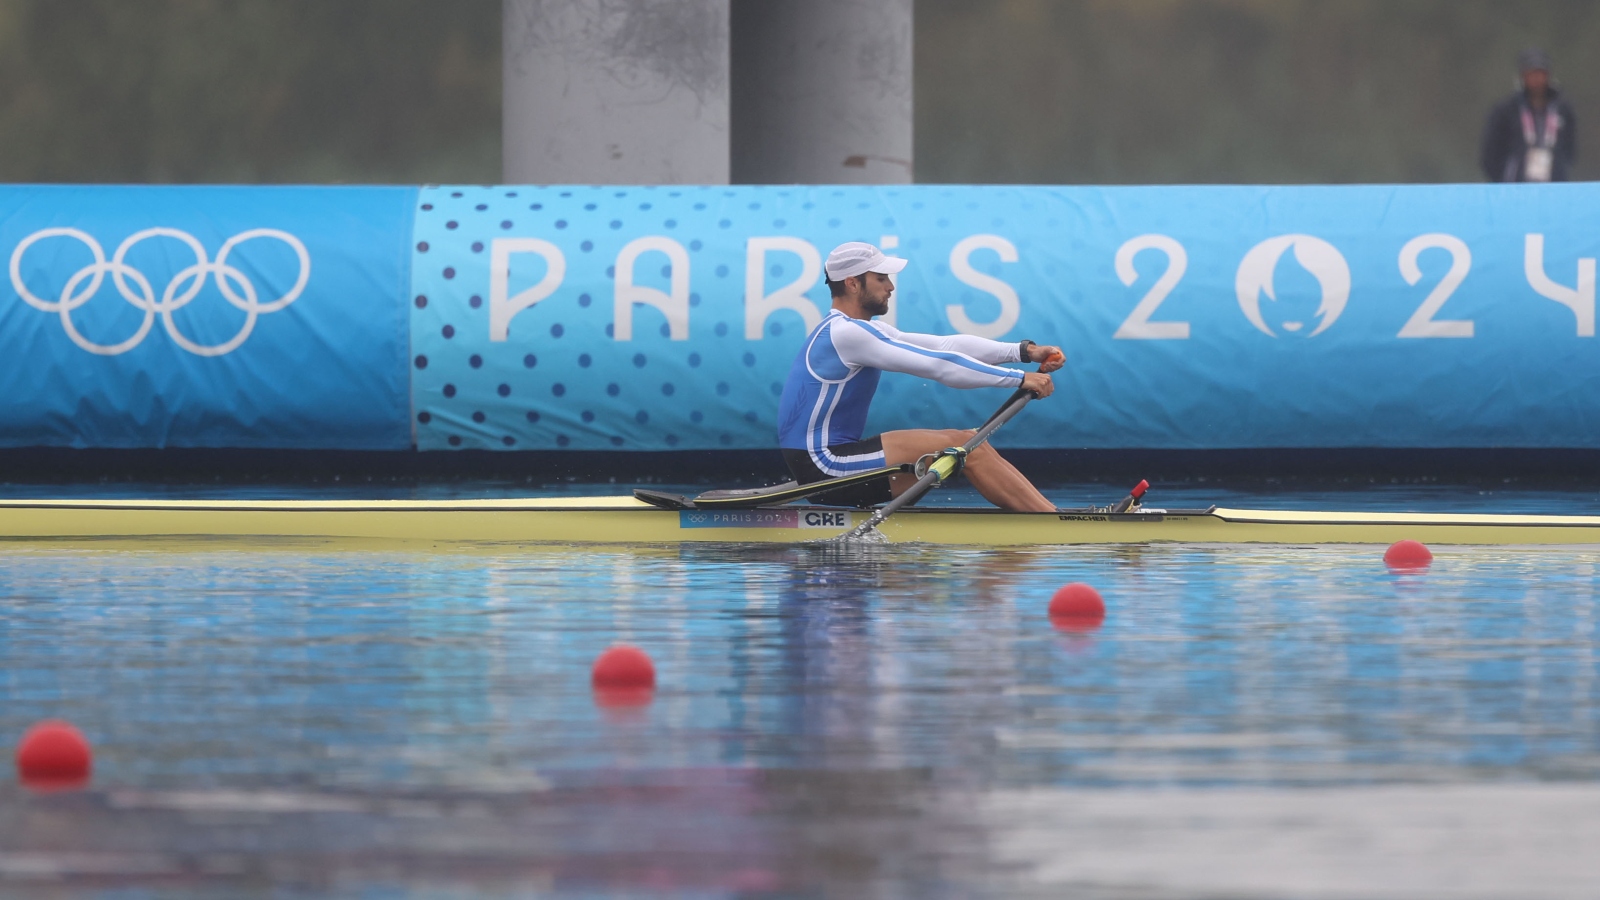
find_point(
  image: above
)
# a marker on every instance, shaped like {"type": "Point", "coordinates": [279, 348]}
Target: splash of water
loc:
{"type": "Point", "coordinates": [871, 536]}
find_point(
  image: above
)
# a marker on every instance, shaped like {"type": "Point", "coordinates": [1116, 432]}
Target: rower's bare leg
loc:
{"type": "Point", "coordinates": [996, 479]}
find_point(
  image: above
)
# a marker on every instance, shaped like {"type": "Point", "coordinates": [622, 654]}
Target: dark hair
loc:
{"type": "Point", "coordinates": [836, 288]}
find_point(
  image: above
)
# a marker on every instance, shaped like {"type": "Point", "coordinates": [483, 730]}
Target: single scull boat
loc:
{"type": "Point", "coordinates": [630, 520]}
{"type": "Point", "coordinates": [755, 515]}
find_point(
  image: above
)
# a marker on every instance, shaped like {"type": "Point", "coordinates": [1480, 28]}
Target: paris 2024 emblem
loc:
{"type": "Point", "coordinates": [1316, 256]}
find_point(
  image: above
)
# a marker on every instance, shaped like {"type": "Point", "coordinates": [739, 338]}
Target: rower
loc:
{"type": "Point", "coordinates": [824, 407]}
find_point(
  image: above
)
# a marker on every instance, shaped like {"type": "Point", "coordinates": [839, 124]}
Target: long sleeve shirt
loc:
{"type": "Point", "coordinates": [833, 379]}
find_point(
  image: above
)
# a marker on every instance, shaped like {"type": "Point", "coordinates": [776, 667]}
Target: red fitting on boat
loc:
{"type": "Point", "coordinates": [1139, 489]}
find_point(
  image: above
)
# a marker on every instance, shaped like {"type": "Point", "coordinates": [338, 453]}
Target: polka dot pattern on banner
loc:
{"type": "Point", "coordinates": [559, 379]}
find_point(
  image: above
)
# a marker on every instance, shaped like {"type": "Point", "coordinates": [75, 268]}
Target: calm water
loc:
{"type": "Point", "coordinates": [879, 721]}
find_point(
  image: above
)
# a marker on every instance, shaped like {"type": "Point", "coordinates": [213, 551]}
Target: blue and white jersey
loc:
{"type": "Point", "coordinates": [833, 379]}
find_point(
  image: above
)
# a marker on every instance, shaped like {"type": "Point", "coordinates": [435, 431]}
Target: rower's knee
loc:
{"type": "Point", "coordinates": [957, 437]}
{"type": "Point", "coordinates": [950, 437]}
{"type": "Point", "coordinates": [982, 454]}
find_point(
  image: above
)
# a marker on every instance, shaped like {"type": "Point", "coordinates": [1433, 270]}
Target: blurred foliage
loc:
{"type": "Point", "coordinates": [1051, 91]}
{"type": "Point", "coordinates": [250, 90]}
{"type": "Point", "coordinates": [1232, 91]}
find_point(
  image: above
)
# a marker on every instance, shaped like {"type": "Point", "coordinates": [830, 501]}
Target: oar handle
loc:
{"type": "Point", "coordinates": [945, 466]}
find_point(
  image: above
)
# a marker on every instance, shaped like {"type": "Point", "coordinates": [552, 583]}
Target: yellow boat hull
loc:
{"type": "Point", "coordinates": [625, 520]}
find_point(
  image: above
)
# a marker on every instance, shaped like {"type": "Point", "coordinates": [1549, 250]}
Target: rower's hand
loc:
{"type": "Point", "coordinates": [1039, 383]}
{"type": "Point", "coordinates": [1049, 358]}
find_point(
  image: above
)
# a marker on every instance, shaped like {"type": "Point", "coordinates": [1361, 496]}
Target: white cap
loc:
{"type": "Point", "coordinates": [859, 258]}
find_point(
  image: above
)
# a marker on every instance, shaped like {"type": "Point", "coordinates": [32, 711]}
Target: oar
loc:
{"type": "Point", "coordinates": [947, 463]}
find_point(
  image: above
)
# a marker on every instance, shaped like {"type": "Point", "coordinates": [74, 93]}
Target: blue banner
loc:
{"type": "Point", "coordinates": [665, 318]}
{"type": "Point", "coordinates": [205, 317]}
{"type": "Point", "coordinates": [1193, 317]}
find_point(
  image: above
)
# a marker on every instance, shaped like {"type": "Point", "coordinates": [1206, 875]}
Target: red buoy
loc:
{"type": "Point", "coordinates": [1408, 555]}
{"type": "Point", "coordinates": [53, 755]}
{"type": "Point", "coordinates": [624, 665]}
{"type": "Point", "coordinates": [623, 677]}
{"type": "Point", "coordinates": [1077, 607]}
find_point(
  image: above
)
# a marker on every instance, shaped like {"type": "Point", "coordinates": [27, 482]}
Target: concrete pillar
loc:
{"type": "Point", "coordinates": [821, 91]}
{"type": "Point", "coordinates": [615, 91]}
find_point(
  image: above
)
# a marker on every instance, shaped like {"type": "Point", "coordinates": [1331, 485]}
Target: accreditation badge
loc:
{"type": "Point", "coordinates": [1537, 165]}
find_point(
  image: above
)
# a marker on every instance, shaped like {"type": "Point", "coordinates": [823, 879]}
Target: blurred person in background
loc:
{"type": "Point", "coordinates": [1531, 135]}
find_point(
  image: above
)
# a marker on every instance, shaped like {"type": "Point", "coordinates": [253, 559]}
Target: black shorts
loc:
{"type": "Point", "coordinates": [865, 496]}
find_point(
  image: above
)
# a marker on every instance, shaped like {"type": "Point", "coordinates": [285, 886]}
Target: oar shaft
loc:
{"type": "Point", "coordinates": [912, 494]}
{"type": "Point", "coordinates": [1005, 406]}
{"type": "Point", "coordinates": [944, 466]}
{"type": "Point", "coordinates": [1012, 407]}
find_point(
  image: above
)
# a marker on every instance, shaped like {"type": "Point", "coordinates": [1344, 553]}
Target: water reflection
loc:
{"type": "Point", "coordinates": [819, 709]}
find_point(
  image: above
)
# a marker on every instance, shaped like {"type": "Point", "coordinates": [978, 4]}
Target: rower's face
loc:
{"type": "Point", "coordinates": [875, 290]}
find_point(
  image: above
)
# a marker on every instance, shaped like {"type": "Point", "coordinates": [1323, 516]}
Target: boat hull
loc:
{"type": "Point", "coordinates": [626, 520]}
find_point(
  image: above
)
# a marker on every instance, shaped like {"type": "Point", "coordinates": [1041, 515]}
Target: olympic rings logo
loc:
{"type": "Point", "coordinates": [135, 288]}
